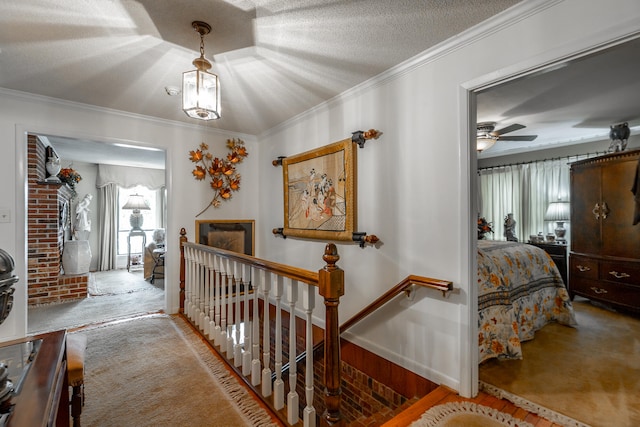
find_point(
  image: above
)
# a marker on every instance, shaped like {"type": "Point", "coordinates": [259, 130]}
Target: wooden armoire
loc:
{"type": "Point", "coordinates": [604, 262]}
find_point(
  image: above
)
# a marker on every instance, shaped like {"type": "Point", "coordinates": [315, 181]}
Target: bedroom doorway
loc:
{"type": "Point", "coordinates": [558, 354]}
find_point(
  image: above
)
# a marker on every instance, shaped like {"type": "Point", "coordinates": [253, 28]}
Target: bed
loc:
{"type": "Point", "coordinates": [520, 291]}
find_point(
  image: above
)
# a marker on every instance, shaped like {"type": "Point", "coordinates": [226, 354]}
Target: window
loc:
{"type": "Point", "coordinates": [152, 217]}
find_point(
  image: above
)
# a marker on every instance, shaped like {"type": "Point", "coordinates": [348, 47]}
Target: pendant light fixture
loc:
{"type": "Point", "coordinates": [200, 88]}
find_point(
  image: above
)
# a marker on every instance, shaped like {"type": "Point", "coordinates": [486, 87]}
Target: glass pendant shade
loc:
{"type": "Point", "coordinates": [483, 143]}
{"type": "Point", "coordinates": [201, 95]}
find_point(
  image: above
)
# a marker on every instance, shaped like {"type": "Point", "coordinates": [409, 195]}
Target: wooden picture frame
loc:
{"type": "Point", "coordinates": [229, 234]}
{"type": "Point", "coordinates": [320, 192]}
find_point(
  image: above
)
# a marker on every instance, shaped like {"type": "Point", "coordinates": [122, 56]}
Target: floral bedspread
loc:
{"type": "Point", "coordinates": [520, 291]}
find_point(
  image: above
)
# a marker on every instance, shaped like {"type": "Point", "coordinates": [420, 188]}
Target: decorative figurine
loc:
{"type": "Point", "coordinates": [510, 228]}
{"type": "Point", "coordinates": [619, 135]}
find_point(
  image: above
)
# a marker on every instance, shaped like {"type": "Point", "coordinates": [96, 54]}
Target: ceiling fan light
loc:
{"type": "Point", "coordinates": [485, 142]}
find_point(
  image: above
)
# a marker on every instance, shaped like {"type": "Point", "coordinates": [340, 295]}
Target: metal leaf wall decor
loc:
{"type": "Point", "coordinates": [222, 175]}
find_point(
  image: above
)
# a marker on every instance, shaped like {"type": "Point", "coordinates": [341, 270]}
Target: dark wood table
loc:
{"type": "Point", "coordinates": [43, 398]}
{"type": "Point", "coordinates": [558, 254]}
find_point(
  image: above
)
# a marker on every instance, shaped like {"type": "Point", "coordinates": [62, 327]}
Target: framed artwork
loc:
{"type": "Point", "coordinates": [229, 234]}
{"type": "Point", "coordinates": [320, 192]}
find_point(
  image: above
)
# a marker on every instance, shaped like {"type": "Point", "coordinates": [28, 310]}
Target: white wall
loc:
{"type": "Point", "coordinates": [414, 182]}
{"type": "Point", "coordinates": [414, 187]}
{"type": "Point", "coordinates": [22, 113]}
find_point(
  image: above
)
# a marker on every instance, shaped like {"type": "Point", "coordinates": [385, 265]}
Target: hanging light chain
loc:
{"type": "Point", "coordinates": [201, 45]}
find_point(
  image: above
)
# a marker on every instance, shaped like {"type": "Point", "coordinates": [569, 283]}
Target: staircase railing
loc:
{"type": "Point", "coordinates": [232, 298]}
{"type": "Point", "coordinates": [405, 286]}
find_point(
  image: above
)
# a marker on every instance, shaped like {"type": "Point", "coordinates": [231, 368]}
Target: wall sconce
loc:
{"type": "Point", "coordinates": [137, 203]}
{"type": "Point", "coordinates": [200, 88]}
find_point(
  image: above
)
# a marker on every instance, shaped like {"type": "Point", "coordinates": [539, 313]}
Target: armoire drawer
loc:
{"type": "Point", "coordinates": [582, 267]}
{"type": "Point", "coordinates": [624, 295]}
{"type": "Point", "coordinates": [620, 272]}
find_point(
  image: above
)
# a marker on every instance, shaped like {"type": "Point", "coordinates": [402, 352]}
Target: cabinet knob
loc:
{"type": "Point", "coordinates": [598, 290]}
{"type": "Point", "coordinates": [619, 275]}
{"type": "Point", "coordinates": [596, 211]}
{"type": "Point", "coordinates": [582, 268]}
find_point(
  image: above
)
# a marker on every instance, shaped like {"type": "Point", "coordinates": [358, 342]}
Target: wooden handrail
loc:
{"type": "Point", "coordinates": [427, 282]}
{"type": "Point", "coordinates": [294, 273]}
{"type": "Point", "coordinates": [330, 283]}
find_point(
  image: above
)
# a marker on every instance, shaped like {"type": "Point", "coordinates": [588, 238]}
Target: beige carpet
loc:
{"type": "Point", "coordinates": [120, 301]}
{"type": "Point", "coordinates": [467, 414]}
{"type": "Point", "coordinates": [115, 282]}
{"type": "Point", "coordinates": [590, 373]}
{"type": "Point", "coordinates": [155, 371]}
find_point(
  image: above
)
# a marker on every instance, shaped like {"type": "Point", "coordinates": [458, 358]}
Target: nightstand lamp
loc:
{"type": "Point", "coordinates": [558, 212]}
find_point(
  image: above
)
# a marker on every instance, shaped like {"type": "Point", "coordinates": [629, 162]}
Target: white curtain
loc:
{"type": "Point", "coordinates": [524, 190]}
{"type": "Point", "coordinates": [109, 178]}
{"type": "Point", "coordinates": [127, 177]}
{"type": "Point", "coordinates": [108, 238]}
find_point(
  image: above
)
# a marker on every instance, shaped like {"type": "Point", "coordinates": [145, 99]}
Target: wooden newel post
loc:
{"type": "Point", "coordinates": [331, 287]}
{"type": "Point", "coordinates": [183, 239]}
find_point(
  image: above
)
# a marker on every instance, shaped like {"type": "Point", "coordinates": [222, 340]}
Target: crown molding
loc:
{"type": "Point", "coordinates": [498, 22]}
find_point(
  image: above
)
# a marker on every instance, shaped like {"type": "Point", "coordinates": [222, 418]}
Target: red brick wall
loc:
{"type": "Point", "coordinates": [45, 235]}
{"type": "Point", "coordinates": [370, 384]}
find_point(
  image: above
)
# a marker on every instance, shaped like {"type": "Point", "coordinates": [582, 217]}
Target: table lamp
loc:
{"type": "Point", "coordinates": [558, 212]}
{"type": "Point", "coordinates": [137, 203]}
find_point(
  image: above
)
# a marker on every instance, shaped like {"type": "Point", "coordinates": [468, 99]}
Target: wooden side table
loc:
{"type": "Point", "coordinates": [558, 254]}
{"type": "Point", "coordinates": [43, 395]}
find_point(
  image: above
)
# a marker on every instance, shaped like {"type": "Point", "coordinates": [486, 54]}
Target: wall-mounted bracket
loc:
{"type": "Point", "coordinates": [360, 137]}
{"type": "Point", "coordinates": [279, 232]}
{"type": "Point", "coordinates": [278, 162]}
{"type": "Point", "coordinates": [361, 238]}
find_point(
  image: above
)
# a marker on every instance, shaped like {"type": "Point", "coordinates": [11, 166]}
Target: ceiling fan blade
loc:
{"type": "Point", "coordinates": [518, 138]}
{"type": "Point", "coordinates": [510, 128]}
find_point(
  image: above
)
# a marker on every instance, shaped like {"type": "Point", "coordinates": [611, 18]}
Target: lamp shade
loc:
{"type": "Point", "coordinates": [485, 142]}
{"type": "Point", "coordinates": [557, 211]}
{"type": "Point", "coordinates": [136, 201]}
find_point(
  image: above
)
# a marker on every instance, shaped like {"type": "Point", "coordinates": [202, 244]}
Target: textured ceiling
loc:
{"type": "Point", "coordinates": [275, 58]}
{"type": "Point", "coordinates": [569, 103]}
{"type": "Point", "coordinates": [279, 58]}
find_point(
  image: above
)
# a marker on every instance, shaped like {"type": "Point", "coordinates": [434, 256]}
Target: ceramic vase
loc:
{"type": "Point", "coordinates": [76, 257]}
{"type": "Point", "coordinates": [53, 169]}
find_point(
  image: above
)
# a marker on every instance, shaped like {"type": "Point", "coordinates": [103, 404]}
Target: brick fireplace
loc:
{"type": "Point", "coordinates": [46, 235]}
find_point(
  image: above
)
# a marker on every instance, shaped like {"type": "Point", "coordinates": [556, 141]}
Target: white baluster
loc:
{"type": "Point", "coordinates": [230, 284]}
{"type": "Point", "coordinates": [223, 305]}
{"type": "Point", "coordinates": [217, 285]}
{"type": "Point", "coordinates": [292, 398]}
{"type": "Point", "coordinates": [309, 416]}
{"type": "Point", "coordinates": [255, 339]}
{"type": "Point", "coordinates": [204, 315]}
{"type": "Point", "coordinates": [278, 385]}
{"type": "Point", "coordinates": [202, 287]}
{"type": "Point", "coordinates": [237, 347]}
{"type": "Point", "coordinates": [192, 297]}
{"type": "Point", "coordinates": [188, 280]}
{"type": "Point", "coordinates": [246, 354]}
{"type": "Point", "coordinates": [266, 338]}
{"type": "Point", "coordinates": [198, 286]}
{"type": "Point", "coordinates": [211, 324]}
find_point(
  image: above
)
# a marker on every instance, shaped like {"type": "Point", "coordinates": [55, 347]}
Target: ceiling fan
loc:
{"type": "Point", "coordinates": [487, 135]}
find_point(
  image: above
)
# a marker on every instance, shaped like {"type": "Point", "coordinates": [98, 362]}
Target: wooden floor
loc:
{"type": "Point", "coordinates": [445, 395]}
